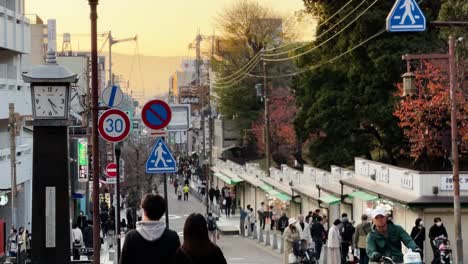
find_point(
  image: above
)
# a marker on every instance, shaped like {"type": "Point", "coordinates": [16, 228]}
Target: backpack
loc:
{"type": "Point", "coordinates": [211, 224]}
{"type": "Point", "coordinates": [348, 231]}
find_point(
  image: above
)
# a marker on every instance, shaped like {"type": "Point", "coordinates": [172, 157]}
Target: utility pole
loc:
{"type": "Point", "coordinates": [202, 92]}
{"type": "Point", "coordinates": [12, 127]}
{"type": "Point", "coordinates": [456, 176]}
{"type": "Point", "coordinates": [95, 142]}
{"type": "Point", "coordinates": [113, 41]}
{"type": "Point", "coordinates": [453, 123]}
{"type": "Point", "coordinates": [267, 120]}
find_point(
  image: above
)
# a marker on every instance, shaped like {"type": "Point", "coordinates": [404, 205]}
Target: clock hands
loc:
{"type": "Point", "coordinates": [53, 105]}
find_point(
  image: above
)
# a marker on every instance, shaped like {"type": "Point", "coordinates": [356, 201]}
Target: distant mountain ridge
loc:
{"type": "Point", "coordinates": [155, 71]}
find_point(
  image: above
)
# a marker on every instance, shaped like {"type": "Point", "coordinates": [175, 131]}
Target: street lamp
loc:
{"type": "Point", "coordinates": [408, 87]}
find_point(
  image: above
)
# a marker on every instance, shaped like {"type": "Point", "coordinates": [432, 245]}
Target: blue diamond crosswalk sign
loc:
{"type": "Point", "coordinates": [406, 16]}
{"type": "Point", "coordinates": [161, 159]}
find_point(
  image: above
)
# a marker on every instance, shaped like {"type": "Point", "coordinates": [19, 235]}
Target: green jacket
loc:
{"type": "Point", "coordinates": [390, 246]}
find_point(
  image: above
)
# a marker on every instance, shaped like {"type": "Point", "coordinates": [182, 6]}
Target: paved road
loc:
{"type": "Point", "coordinates": [236, 250]}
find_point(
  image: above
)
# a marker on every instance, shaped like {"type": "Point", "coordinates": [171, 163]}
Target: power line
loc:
{"type": "Point", "coordinates": [319, 36]}
{"type": "Point", "coordinates": [326, 41]}
{"type": "Point", "coordinates": [254, 58]}
{"type": "Point", "coordinates": [312, 67]}
{"type": "Point", "coordinates": [336, 24]}
{"type": "Point", "coordinates": [319, 25]}
{"type": "Point", "coordinates": [237, 79]}
{"type": "Point", "coordinates": [287, 44]}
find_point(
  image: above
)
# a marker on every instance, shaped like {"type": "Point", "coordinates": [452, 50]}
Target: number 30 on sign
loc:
{"type": "Point", "coordinates": [114, 125]}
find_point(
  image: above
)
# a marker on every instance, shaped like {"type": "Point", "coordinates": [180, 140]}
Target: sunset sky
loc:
{"type": "Point", "coordinates": [164, 27]}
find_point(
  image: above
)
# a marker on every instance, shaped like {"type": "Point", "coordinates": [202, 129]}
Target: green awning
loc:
{"type": "Point", "coordinates": [224, 178]}
{"type": "Point", "coordinates": [237, 180]}
{"type": "Point", "coordinates": [330, 199]}
{"type": "Point", "coordinates": [266, 187]}
{"type": "Point", "coordinates": [363, 196]}
{"type": "Point", "coordinates": [283, 197]}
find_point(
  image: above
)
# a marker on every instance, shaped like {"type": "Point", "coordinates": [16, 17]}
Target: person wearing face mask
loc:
{"type": "Point", "coordinates": [436, 230]}
{"type": "Point", "coordinates": [418, 234]}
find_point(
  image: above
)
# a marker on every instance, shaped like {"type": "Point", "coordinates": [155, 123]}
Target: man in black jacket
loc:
{"type": "Point", "coordinates": [317, 231]}
{"type": "Point", "coordinates": [151, 240]}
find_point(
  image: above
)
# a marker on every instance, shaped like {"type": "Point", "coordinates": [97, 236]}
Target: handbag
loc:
{"type": "Point", "coordinates": [292, 258]}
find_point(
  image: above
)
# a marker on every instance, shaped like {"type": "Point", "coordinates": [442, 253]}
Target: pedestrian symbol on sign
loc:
{"type": "Point", "coordinates": [406, 16]}
{"type": "Point", "coordinates": [160, 159]}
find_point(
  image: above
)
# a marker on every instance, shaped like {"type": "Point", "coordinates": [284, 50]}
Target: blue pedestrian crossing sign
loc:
{"type": "Point", "coordinates": [160, 159]}
{"type": "Point", "coordinates": [406, 16]}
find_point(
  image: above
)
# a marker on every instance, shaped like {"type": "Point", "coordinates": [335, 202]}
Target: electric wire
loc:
{"type": "Point", "coordinates": [326, 41]}
{"type": "Point", "coordinates": [319, 36]}
{"type": "Point", "coordinates": [312, 67]}
{"type": "Point", "coordinates": [239, 77]}
{"type": "Point", "coordinates": [319, 25]}
{"type": "Point", "coordinates": [245, 66]}
{"type": "Point", "coordinates": [263, 53]}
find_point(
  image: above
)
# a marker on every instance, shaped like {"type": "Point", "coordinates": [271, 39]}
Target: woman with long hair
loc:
{"type": "Point", "coordinates": [197, 247]}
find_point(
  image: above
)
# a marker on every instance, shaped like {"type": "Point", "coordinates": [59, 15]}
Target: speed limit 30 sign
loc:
{"type": "Point", "coordinates": [114, 125]}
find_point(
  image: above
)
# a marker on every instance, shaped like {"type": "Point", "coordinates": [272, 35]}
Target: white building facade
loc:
{"type": "Point", "coordinates": [15, 39]}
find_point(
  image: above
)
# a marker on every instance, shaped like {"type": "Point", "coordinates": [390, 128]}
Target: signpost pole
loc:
{"type": "Point", "coordinates": [165, 197]}
{"type": "Point", "coordinates": [117, 207]}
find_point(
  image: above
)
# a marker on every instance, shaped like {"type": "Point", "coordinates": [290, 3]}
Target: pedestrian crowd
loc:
{"type": "Point", "coordinates": [343, 242]}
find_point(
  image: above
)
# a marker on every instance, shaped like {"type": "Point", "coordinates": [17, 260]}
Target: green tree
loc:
{"type": "Point", "coordinates": [345, 107]}
{"type": "Point", "coordinates": [246, 27]}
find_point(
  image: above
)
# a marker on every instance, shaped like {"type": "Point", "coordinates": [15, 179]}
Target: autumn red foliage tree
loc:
{"type": "Point", "coordinates": [425, 116]}
{"type": "Point", "coordinates": [283, 142]}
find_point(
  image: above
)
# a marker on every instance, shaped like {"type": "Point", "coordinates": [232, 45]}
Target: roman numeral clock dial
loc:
{"type": "Point", "coordinates": [50, 101]}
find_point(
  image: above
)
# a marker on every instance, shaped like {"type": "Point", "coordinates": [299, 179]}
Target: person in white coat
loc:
{"type": "Point", "coordinates": [334, 243]}
{"type": "Point", "coordinates": [304, 230]}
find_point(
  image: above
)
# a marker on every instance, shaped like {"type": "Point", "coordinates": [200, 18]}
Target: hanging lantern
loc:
{"type": "Point", "coordinates": [409, 87]}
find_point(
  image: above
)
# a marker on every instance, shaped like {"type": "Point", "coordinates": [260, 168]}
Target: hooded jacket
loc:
{"type": "Point", "coordinates": [150, 242]}
{"type": "Point", "coordinates": [390, 245]}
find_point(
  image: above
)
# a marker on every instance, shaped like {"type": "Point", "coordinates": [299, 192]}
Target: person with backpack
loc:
{"type": "Point", "coordinates": [151, 240]}
{"type": "Point", "coordinates": [317, 231]}
{"type": "Point", "coordinates": [283, 222]}
{"type": "Point", "coordinates": [360, 236]}
{"type": "Point", "coordinates": [347, 232]}
{"type": "Point", "coordinates": [212, 227]}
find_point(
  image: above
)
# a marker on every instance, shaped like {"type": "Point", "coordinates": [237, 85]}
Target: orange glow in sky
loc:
{"type": "Point", "coordinates": [164, 27]}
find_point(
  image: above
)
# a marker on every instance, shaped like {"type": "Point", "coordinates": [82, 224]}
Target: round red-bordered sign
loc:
{"type": "Point", "coordinates": [111, 170]}
{"type": "Point", "coordinates": [156, 114]}
{"type": "Point", "coordinates": [114, 125]}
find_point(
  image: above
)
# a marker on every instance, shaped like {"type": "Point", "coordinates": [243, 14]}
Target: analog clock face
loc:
{"type": "Point", "coordinates": [50, 101]}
